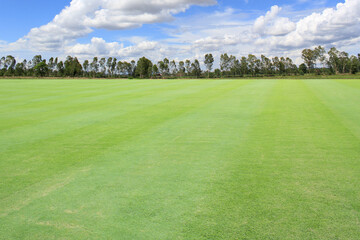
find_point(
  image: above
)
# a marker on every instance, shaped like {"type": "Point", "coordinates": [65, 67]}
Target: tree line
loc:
{"type": "Point", "coordinates": [316, 61]}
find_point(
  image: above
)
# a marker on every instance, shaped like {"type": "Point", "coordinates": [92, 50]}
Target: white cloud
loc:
{"type": "Point", "coordinates": [272, 24]}
{"type": "Point", "coordinates": [328, 27]}
{"type": "Point", "coordinates": [123, 14]}
{"type": "Point", "coordinates": [99, 47]}
{"type": "Point", "coordinates": [79, 19]}
{"type": "Point", "coordinates": [3, 43]}
{"type": "Point", "coordinates": [271, 34]}
{"type": "Point", "coordinates": [277, 32]}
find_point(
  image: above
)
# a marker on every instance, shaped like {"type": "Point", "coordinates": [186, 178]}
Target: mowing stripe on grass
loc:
{"type": "Point", "coordinates": [290, 179]}
{"type": "Point", "coordinates": [55, 152]}
{"type": "Point", "coordinates": [197, 159]}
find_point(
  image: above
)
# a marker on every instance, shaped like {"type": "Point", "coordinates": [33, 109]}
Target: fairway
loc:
{"type": "Point", "coordinates": [179, 159]}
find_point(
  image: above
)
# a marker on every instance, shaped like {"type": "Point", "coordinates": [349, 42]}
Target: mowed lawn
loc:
{"type": "Point", "coordinates": [179, 159]}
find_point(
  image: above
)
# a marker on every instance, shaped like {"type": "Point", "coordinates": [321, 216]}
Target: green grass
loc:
{"type": "Point", "coordinates": [179, 159]}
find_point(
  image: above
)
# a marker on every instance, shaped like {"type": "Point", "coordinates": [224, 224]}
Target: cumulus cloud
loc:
{"type": "Point", "coordinates": [2, 43]}
{"type": "Point", "coordinates": [275, 33]}
{"type": "Point", "coordinates": [272, 24]}
{"type": "Point", "coordinates": [123, 14]}
{"type": "Point", "coordinates": [330, 26]}
{"type": "Point", "coordinates": [79, 19]}
{"type": "Point", "coordinates": [99, 47]}
{"type": "Point", "coordinates": [268, 34]}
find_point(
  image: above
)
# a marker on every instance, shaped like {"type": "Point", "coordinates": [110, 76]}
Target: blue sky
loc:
{"type": "Point", "coordinates": [20, 16]}
{"type": "Point", "coordinates": [179, 28]}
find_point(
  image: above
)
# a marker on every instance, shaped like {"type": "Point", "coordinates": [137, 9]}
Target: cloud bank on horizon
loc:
{"type": "Point", "coordinates": [280, 30]}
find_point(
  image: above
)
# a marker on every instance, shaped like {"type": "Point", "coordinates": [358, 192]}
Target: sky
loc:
{"type": "Point", "coordinates": [177, 29]}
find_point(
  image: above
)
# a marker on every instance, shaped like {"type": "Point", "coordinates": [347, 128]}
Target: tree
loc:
{"type": "Point", "coordinates": [188, 66]}
{"type": "Point", "coordinates": [2, 63]}
{"type": "Point", "coordinates": [182, 68]}
{"type": "Point", "coordinates": [281, 65]}
{"type": "Point", "coordinates": [118, 68]}
{"type": "Point", "coordinates": [257, 66]}
{"type": "Point", "coordinates": [144, 68]}
{"type": "Point", "coordinates": [266, 65]}
{"type": "Point", "coordinates": [209, 62]}
{"type": "Point", "coordinates": [102, 66]}
{"type": "Point", "coordinates": [51, 65]}
{"type": "Point", "coordinates": [123, 68]}
{"type": "Point", "coordinates": [86, 66]}
{"type": "Point", "coordinates": [217, 73]}
{"type": "Point", "coordinates": [236, 67]}
{"type": "Point", "coordinates": [252, 64]}
{"type": "Point", "coordinates": [173, 68]}
{"type": "Point", "coordinates": [320, 55]}
{"type": "Point", "coordinates": [244, 66]}
{"type": "Point", "coordinates": [355, 64]}
{"type": "Point", "coordinates": [41, 69]}
{"type": "Point", "coordinates": [128, 69]}
{"type": "Point", "coordinates": [290, 67]}
{"type": "Point", "coordinates": [155, 70]}
{"type": "Point", "coordinates": [225, 63]}
{"type": "Point", "coordinates": [133, 67]}
{"type": "Point", "coordinates": [113, 67]}
{"type": "Point", "coordinates": [108, 65]}
{"type": "Point", "coordinates": [164, 67]}
{"type": "Point", "coordinates": [60, 69]}
{"type": "Point", "coordinates": [72, 67]}
{"type": "Point", "coordinates": [196, 70]}
{"type": "Point", "coordinates": [334, 59]}
{"type": "Point", "coordinates": [36, 60]}
{"type": "Point", "coordinates": [303, 68]}
{"type": "Point", "coordinates": [309, 56]}
{"type": "Point", "coordinates": [10, 64]}
{"type": "Point", "coordinates": [94, 66]}
{"type": "Point", "coordinates": [20, 69]}
{"type": "Point", "coordinates": [55, 62]}
{"type": "Point", "coordinates": [344, 62]}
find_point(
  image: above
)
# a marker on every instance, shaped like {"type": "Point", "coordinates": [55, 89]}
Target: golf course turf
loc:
{"type": "Point", "coordinates": [179, 159]}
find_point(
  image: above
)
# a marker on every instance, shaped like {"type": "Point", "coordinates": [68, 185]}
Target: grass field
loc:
{"type": "Point", "coordinates": [179, 159]}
